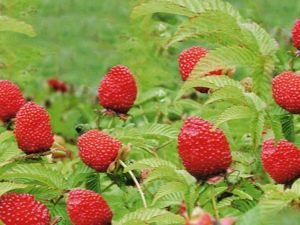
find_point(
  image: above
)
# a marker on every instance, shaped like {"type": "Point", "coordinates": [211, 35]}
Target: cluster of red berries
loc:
{"type": "Point", "coordinates": [117, 92]}
{"type": "Point", "coordinates": [84, 207]}
{"type": "Point", "coordinates": [204, 150]}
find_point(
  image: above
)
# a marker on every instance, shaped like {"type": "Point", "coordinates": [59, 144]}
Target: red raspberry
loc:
{"type": "Point", "coordinates": [23, 209]}
{"type": "Point", "coordinates": [33, 129]}
{"type": "Point", "coordinates": [205, 152]}
{"type": "Point", "coordinates": [86, 207]}
{"type": "Point", "coordinates": [286, 91]}
{"type": "Point", "coordinates": [281, 161]}
{"type": "Point", "coordinates": [118, 90]}
{"type": "Point", "coordinates": [11, 100]}
{"type": "Point", "coordinates": [98, 149]}
{"type": "Point", "coordinates": [58, 85]}
{"type": "Point", "coordinates": [296, 34]}
{"type": "Point", "coordinates": [188, 59]}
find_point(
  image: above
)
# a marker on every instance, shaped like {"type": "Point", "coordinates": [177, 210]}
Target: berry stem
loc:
{"type": "Point", "coordinates": [136, 183]}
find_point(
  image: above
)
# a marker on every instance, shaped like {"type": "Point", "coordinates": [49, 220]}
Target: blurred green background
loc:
{"type": "Point", "coordinates": [78, 41]}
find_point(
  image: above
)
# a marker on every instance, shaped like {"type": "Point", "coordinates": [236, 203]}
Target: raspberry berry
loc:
{"type": "Point", "coordinates": [204, 150]}
{"type": "Point", "coordinates": [188, 59]}
{"type": "Point", "coordinates": [21, 209]}
{"type": "Point", "coordinates": [58, 85]}
{"type": "Point", "coordinates": [98, 149]}
{"type": "Point", "coordinates": [286, 91]}
{"type": "Point", "coordinates": [281, 161]}
{"type": "Point", "coordinates": [86, 207]}
{"type": "Point", "coordinates": [33, 130]}
{"type": "Point", "coordinates": [118, 89]}
{"type": "Point", "coordinates": [11, 100]}
{"type": "Point", "coordinates": [296, 34]}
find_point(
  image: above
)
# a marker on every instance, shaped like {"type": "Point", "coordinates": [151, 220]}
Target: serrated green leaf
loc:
{"type": "Point", "coordinates": [234, 113]}
{"type": "Point", "coordinates": [267, 44]}
{"type": "Point", "coordinates": [228, 94]}
{"type": "Point", "coordinates": [169, 188]}
{"type": "Point", "coordinates": [36, 173]}
{"type": "Point", "coordinates": [150, 163]}
{"type": "Point", "coordinates": [9, 186]}
{"type": "Point", "coordinates": [242, 194]}
{"type": "Point", "coordinates": [149, 216]}
{"type": "Point", "coordinates": [183, 7]}
{"type": "Point", "coordinates": [216, 27]}
{"type": "Point", "coordinates": [165, 173]}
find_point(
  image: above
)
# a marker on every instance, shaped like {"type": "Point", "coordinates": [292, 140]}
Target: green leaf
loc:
{"type": "Point", "coordinates": [296, 187]}
{"type": "Point", "coordinates": [148, 216]}
{"type": "Point", "coordinates": [6, 135]}
{"type": "Point", "coordinates": [267, 44]}
{"type": "Point", "coordinates": [242, 194]}
{"type": "Point", "coordinates": [165, 173]}
{"type": "Point", "coordinates": [169, 188]}
{"type": "Point", "coordinates": [255, 102]}
{"type": "Point", "coordinates": [234, 113]}
{"type": "Point", "coordinates": [288, 126]}
{"type": "Point", "coordinates": [215, 27]}
{"type": "Point", "coordinates": [214, 82]}
{"type": "Point", "coordinates": [93, 182]}
{"type": "Point", "coordinates": [227, 57]}
{"type": "Point", "coordinates": [182, 7]}
{"type": "Point", "coordinates": [10, 24]}
{"type": "Point", "coordinates": [257, 127]}
{"type": "Point", "coordinates": [150, 163]}
{"type": "Point", "coordinates": [228, 93]}
{"type": "Point", "coordinates": [154, 130]}
{"type": "Point", "coordinates": [276, 127]}
{"type": "Point", "coordinates": [36, 173]}
{"type": "Point", "coordinates": [9, 186]}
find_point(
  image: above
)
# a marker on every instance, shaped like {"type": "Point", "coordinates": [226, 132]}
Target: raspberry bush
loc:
{"type": "Point", "coordinates": [190, 117]}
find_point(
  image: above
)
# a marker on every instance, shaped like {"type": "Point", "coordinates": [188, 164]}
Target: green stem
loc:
{"type": "Point", "coordinates": [111, 122]}
{"type": "Point", "coordinates": [108, 186]}
{"type": "Point", "coordinates": [214, 203]}
{"type": "Point", "coordinates": [136, 183]}
{"type": "Point", "coordinates": [143, 114]}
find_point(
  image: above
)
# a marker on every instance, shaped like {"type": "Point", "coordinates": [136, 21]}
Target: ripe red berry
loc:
{"type": "Point", "coordinates": [286, 91]}
{"type": "Point", "coordinates": [281, 161]}
{"type": "Point", "coordinates": [203, 150]}
{"type": "Point", "coordinates": [11, 100]}
{"type": "Point", "coordinates": [21, 209]}
{"type": "Point", "coordinates": [118, 90]}
{"type": "Point", "coordinates": [98, 149]}
{"type": "Point", "coordinates": [33, 129]}
{"type": "Point", "coordinates": [86, 207]}
{"type": "Point", "coordinates": [296, 34]}
{"type": "Point", "coordinates": [188, 59]}
{"type": "Point", "coordinates": [58, 85]}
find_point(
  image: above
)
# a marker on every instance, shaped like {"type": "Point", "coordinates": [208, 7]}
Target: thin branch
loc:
{"type": "Point", "coordinates": [136, 183]}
